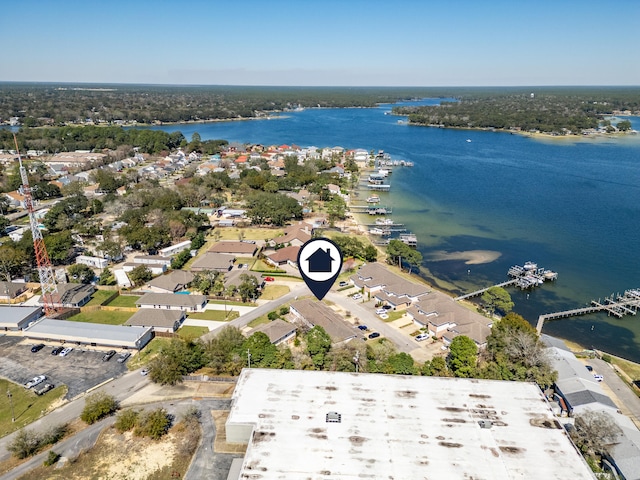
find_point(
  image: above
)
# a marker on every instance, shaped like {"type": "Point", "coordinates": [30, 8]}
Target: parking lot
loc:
{"type": "Point", "coordinates": [80, 370]}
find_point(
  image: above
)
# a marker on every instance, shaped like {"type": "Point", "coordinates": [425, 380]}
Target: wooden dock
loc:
{"type": "Point", "coordinates": [617, 305]}
{"type": "Point", "coordinates": [482, 290]}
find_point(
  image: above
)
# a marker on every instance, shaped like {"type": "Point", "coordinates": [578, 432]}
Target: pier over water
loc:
{"type": "Point", "coordinates": [617, 305]}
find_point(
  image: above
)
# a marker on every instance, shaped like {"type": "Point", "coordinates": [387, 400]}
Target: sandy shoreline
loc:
{"type": "Point", "coordinates": [470, 257]}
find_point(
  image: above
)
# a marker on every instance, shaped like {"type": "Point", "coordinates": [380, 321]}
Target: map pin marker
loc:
{"type": "Point", "coordinates": [319, 262]}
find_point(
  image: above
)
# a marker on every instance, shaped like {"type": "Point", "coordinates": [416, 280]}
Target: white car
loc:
{"type": "Point", "coordinates": [599, 378]}
{"type": "Point", "coordinates": [357, 296]}
{"type": "Point", "coordinates": [65, 351]}
{"type": "Point", "coordinates": [421, 337]}
{"type": "Point", "coordinates": [35, 381]}
{"type": "Point", "coordinates": [380, 311]}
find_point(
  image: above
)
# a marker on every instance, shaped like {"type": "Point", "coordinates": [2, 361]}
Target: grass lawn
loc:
{"type": "Point", "coordinates": [124, 301]}
{"type": "Point", "coordinates": [250, 233]}
{"type": "Point", "coordinates": [99, 296]}
{"type": "Point", "coordinates": [147, 353]}
{"type": "Point", "coordinates": [231, 304]}
{"type": "Point", "coordinates": [215, 315]}
{"type": "Point", "coordinates": [258, 321]}
{"type": "Point", "coordinates": [271, 292]}
{"type": "Point", "coordinates": [191, 332]}
{"type": "Point", "coordinates": [107, 317]}
{"type": "Point", "coordinates": [261, 266]}
{"type": "Point", "coordinates": [393, 315]}
{"type": "Point", "coordinates": [27, 406]}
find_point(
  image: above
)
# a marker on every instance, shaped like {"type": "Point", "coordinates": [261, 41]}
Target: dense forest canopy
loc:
{"type": "Point", "coordinates": [57, 104]}
{"type": "Point", "coordinates": [547, 110]}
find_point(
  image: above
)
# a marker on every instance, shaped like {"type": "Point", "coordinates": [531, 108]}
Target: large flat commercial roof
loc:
{"type": "Point", "coordinates": [393, 426]}
{"type": "Point", "coordinates": [89, 332]}
{"type": "Point", "coordinates": [13, 315]}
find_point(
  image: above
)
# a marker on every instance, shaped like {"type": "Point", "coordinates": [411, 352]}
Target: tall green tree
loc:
{"type": "Point", "coordinates": [497, 298]}
{"type": "Point", "coordinates": [463, 356]}
{"type": "Point", "coordinates": [318, 345]}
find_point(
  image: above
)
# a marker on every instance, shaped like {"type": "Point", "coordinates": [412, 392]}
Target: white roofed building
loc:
{"type": "Point", "coordinates": [316, 425]}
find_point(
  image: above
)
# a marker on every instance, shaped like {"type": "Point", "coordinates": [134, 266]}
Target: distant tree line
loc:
{"type": "Point", "coordinates": [546, 111]}
{"type": "Point", "coordinates": [49, 104]}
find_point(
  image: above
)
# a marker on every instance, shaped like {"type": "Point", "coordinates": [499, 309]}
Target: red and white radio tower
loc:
{"type": "Point", "coordinates": [45, 270]}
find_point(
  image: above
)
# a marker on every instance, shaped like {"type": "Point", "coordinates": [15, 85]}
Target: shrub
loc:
{"type": "Point", "coordinates": [98, 406]}
{"type": "Point", "coordinates": [606, 357]}
{"type": "Point", "coordinates": [153, 424]}
{"type": "Point", "coordinates": [272, 315]}
{"type": "Point", "coordinates": [25, 444]}
{"type": "Point", "coordinates": [28, 442]}
{"type": "Point", "coordinates": [284, 310]}
{"type": "Point", "coordinates": [52, 458]}
{"type": "Point", "coordinates": [126, 420]}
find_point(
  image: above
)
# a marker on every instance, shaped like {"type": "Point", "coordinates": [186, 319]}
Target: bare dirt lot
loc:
{"type": "Point", "coordinates": [81, 370]}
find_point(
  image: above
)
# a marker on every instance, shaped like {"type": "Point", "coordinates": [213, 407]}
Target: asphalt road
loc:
{"type": "Point", "coordinates": [618, 387]}
{"type": "Point", "coordinates": [120, 388]}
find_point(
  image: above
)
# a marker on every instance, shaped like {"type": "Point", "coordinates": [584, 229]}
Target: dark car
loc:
{"type": "Point", "coordinates": [56, 351]}
{"type": "Point", "coordinates": [362, 327]}
{"type": "Point", "coordinates": [374, 335]}
{"type": "Point", "coordinates": [37, 348]}
{"type": "Point", "coordinates": [44, 389]}
{"type": "Point", "coordinates": [107, 356]}
{"type": "Point", "coordinates": [589, 367]}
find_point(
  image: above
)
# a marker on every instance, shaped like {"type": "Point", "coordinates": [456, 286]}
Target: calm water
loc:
{"type": "Point", "coordinates": [572, 207]}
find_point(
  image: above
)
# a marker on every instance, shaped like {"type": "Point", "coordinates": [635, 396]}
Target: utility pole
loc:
{"type": "Point", "coordinates": [356, 360]}
{"type": "Point", "coordinates": [13, 417]}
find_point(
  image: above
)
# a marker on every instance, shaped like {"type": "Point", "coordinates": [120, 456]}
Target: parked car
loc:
{"type": "Point", "coordinates": [598, 377]}
{"type": "Point", "coordinates": [44, 389]}
{"type": "Point", "coordinates": [343, 284]}
{"type": "Point", "coordinates": [144, 371]}
{"type": "Point", "coordinates": [269, 279]}
{"type": "Point", "coordinates": [65, 351]}
{"type": "Point", "coordinates": [123, 357]}
{"type": "Point", "coordinates": [37, 348]}
{"type": "Point", "coordinates": [107, 356]}
{"type": "Point", "coordinates": [35, 381]}
{"type": "Point", "coordinates": [421, 337]}
{"type": "Point", "coordinates": [363, 327]}
{"type": "Point", "coordinates": [56, 351]}
{"type": "Point", "coordinates": [357, 296]}
{"type": "Point", "coordinates": [589, 367]}
{"type": "Point", "coordinates": [380, 311]}
{"type": "Point", "coordinates": [374, 335]}
{"type": "Point", "coordinates": [387, 307]}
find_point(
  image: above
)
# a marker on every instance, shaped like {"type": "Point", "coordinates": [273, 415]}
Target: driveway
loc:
{"type": "Point", "coordinates": [80, 370]}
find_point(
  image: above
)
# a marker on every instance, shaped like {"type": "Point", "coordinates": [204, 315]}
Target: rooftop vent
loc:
{"type": "Point", "coordinates": [485, 423]}
{"type": "Point", "coordinates": [334, 417]}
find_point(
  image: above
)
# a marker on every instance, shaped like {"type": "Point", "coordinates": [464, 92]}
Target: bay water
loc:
{"type": "Point", "coordinates": [572, 206]}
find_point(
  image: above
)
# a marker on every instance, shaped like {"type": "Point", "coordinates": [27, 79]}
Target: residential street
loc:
{"type": "Point", "coordinates": [620, 389]}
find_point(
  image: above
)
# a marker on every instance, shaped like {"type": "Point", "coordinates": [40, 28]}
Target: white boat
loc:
{"type": "Point", "coordinates": [373, 199]}
{"type": "Point", "coordinates": [530, 266]}
{"type": "Point", "coordinates": [468, 140]}
{"type": "Point", "coordinates": [384, 221]}
{"type": "Point", "coordinates": [379, 231]}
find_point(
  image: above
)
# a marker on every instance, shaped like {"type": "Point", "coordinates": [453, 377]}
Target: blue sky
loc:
{"type": "Point", "coordinates": [322, 42]}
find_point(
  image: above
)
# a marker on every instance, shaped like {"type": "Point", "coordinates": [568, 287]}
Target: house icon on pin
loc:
{"type": "Point", "coordinates": [320, 261]}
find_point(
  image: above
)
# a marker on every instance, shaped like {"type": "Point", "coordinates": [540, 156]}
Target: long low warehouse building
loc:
{"type": "Point", "coordinates": [94, 334]}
